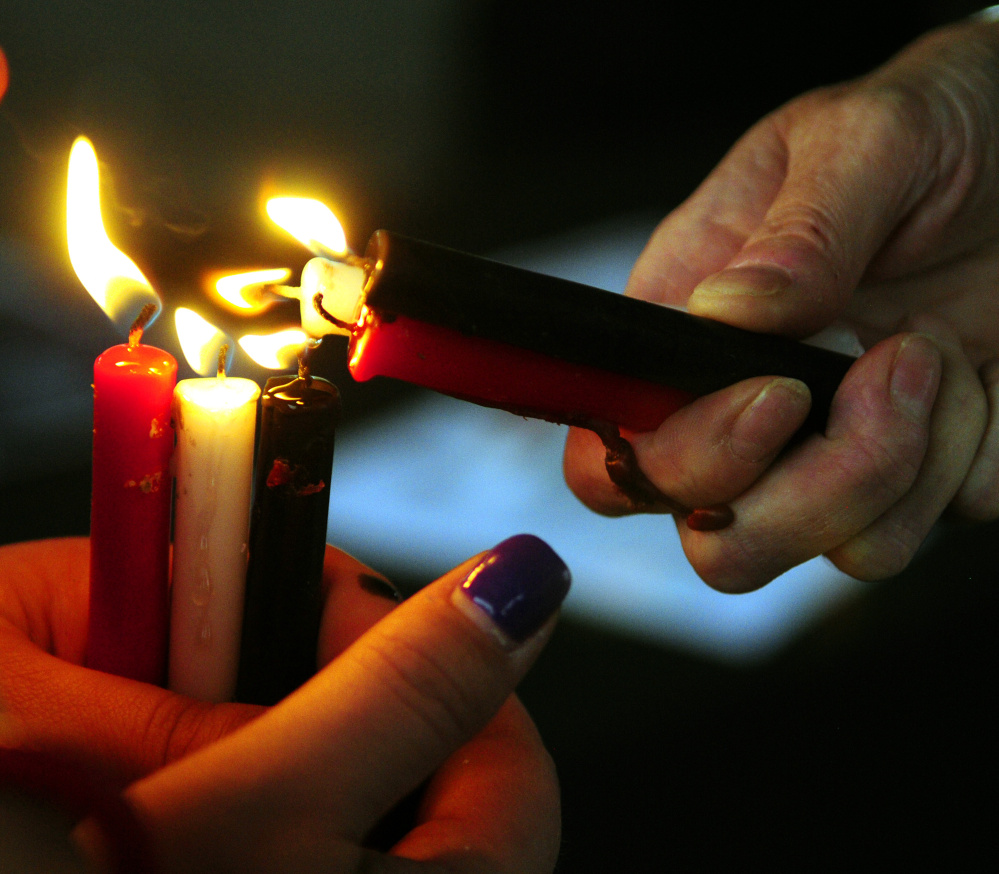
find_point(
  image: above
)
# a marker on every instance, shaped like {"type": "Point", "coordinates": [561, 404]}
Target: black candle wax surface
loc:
{"type": "Point", "coordinates": [287, 537]}
{"type": "Point", "coordinates": [478, 297]}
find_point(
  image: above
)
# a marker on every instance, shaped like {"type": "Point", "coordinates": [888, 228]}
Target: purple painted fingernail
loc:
{"type": "Point", "coordinates": [518, 585]}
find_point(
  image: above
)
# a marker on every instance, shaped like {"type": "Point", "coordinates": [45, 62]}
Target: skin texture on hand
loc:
{"type": "Point", "coordinates": [875, 203]}
{"type": "Point", "coordinates": [411, 695]}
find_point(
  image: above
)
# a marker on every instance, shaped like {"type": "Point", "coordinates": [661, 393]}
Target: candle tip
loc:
{"type": "Point", "coordinates": [223, 354]}
{"type": "Point", "coordinates": [139, 325]}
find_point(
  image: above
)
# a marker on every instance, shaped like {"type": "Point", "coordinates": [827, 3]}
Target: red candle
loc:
{"type": "Point", "coordinates": [130, 512]}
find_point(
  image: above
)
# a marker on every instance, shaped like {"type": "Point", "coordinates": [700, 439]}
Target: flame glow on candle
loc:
{"type": "Point", "coordinates": [310, 222]}
{"type": "Point", "coordinates": [276, 351]}
{"type": "Point", "coordinates": [246, 291]}
{"type": "Point", "coordinates": [110, 276]}
{"type": "Point", "coordinates": [200, 341]}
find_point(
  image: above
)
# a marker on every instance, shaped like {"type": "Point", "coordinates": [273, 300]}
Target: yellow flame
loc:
{"type": "Point", "coordinates": [274, 351]}
{"type": "Point", "coordinates": [111, 277]}
{"type": "Point", "coordinates": [310, 222]}
{"type": "Point", "coordinates": [200, 341]}
{"type": "Point", "coordinates": [244, 290]}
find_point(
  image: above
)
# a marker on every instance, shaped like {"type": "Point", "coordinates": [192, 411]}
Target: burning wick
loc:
{"type": "Point", "coordinates": [140, 324]}
{"type": "Point", "coordinates": [223, 354]}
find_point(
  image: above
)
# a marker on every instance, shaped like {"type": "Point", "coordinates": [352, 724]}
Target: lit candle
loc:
{"type": "Point", "coordinates": [287, 534]}
{"type": "Point", "coordinates": [538, 345]}
{"type": "Point", "coordinates": [215, 419]}
{"type": "Point", "coordinates": [532, 344]}
{"type": "Point", "coordinates": [133, 443]}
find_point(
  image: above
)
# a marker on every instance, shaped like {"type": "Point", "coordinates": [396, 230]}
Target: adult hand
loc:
{"type": "Point", "coordinates": [876, 203]}
{"type": "Point", "coordinates": [423, 696]}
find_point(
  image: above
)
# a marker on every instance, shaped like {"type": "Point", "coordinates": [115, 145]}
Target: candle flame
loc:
{"type": "Point", "coordinates": [111, 277]}
{"type": "Point", "coordinates": [246, 290]}
{"type": "Point", "coordinates": [200, 341]}
{"type": "Point", "coordinates": [276, 351]}
{"type": "Point", "coordinates": [310, 222]}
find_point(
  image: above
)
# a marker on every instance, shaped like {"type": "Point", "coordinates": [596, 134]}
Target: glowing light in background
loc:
{"type": "Point", "coordinates": [310, 222]}
{"type": "Point", "coordinates": [276, 351]}
{"type": "Point", "coordinates": [108, 274]}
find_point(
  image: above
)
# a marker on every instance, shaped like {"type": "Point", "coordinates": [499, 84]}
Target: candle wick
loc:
{"type": "Point", "coordinates": [223, 354]}
{"type": "Point", "coordinates": [317, 302]}
{"type": "Point", "coordinates": [139, 325]}
{"type": "Point", "coordinates": [304, 373]}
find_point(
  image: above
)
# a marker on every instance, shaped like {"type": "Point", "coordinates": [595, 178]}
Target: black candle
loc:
{"type": "Point", "coordinates": [542, 346]}
{"type": "Point", "coordinates": [287, 537]}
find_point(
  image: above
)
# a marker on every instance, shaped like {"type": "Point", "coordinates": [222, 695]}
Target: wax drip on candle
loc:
{"type": "Point", "coordinates": [625, 472]}
{"type": "Point", "coordinates": [139, 325]}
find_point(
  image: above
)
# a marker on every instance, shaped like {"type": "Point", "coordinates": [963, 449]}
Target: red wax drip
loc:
{"type": "Point", "coordinates": [130, 512]}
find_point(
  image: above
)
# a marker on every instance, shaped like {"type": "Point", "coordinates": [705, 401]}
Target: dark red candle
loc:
{"type": "Point", "coordinates": [130, 512]}
{"type": "Point", "coordinates": [541, 346]}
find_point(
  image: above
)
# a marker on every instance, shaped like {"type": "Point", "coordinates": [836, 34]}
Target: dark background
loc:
{"type": "Point", "coordinates": [478, 125]}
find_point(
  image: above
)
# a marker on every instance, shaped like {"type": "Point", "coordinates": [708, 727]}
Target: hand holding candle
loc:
{"type": "Point", "coordinates": [206, 771]}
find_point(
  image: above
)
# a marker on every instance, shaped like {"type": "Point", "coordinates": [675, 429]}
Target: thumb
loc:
{"type": "Point", "coordinates": [851, 175]}
{"type": "Point", "coordinates": [331, 759]}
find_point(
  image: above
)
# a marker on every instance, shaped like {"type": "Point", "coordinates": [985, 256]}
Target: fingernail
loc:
{"type": "Point", "coordinates": [752, 281]}
{"type": "Point", "coordinates": [515, 588]}
{"type": "Point", "coordinates": [377, 586]}
{"type": "Point", "coordinates": [770, 419]}
{"type": "Point", "coordinates": [915, 377]}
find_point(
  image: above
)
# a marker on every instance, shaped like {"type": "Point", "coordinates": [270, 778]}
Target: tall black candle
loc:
{"type": "Point", "coordinates": [287, 537]}
{"type": "Point", "coordinates": [538, 345]}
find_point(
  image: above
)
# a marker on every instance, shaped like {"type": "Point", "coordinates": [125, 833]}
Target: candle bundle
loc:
{"type": "Point", "coordinates": [136, 406]}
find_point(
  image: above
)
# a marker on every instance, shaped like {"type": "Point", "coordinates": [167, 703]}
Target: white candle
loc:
{"type": "Point", "coordinates": [215, 419]}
